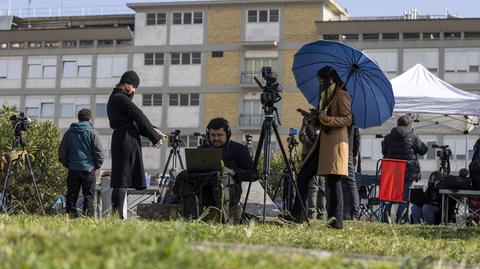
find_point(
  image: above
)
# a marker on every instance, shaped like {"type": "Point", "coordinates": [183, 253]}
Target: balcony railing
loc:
{"type": "Point", "coordinates": [251, 120]}
{"type": "Point", "coordinates": [246, 78]}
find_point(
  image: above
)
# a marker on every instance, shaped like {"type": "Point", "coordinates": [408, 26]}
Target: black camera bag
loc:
{"type": "Point", "coordinates": [455, 183]}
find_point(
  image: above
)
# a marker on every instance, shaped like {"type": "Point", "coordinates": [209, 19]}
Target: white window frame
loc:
{"type": "Point", "coordinates": [269, 16]}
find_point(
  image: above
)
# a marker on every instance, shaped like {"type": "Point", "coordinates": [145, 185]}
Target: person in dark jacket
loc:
{"type": "Point", "coordinates": [81, 152]}
{"type": "Point", "coordinates": [128, 123]}
{"type": "Point", "coordinates": [403, 144]}
{"type": "Point", "coordinates": [237, 160]}
{"type": "Point", "coordinates": [351, 199]}
{"type": "Point", "coordinates": [429, 211]}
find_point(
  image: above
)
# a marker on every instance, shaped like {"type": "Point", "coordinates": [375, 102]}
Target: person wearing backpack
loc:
{"type": "Point", "coordinates": [81, 152]}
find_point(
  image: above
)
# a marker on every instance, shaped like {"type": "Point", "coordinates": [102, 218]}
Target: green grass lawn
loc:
{"type": "Point", "coordinates": [59, 242]}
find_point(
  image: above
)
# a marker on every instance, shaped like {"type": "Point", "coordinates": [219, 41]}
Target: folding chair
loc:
{"type": "Point", "coordinates": [369, 203]}
{"type": "Point", "coordinates": [392, 181]}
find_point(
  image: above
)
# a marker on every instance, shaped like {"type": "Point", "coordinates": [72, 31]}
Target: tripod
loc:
{"type": "Point", "coordinates": [172, 156]}
{"type": "Point", "coordinates": [269, 97]}
{"type": "Point", "coordinates": [18, 141]}
{"type": "Point", "coordinates": [287, 194]}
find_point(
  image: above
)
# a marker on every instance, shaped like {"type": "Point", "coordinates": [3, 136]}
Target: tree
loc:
{"type": "Point", "coordinates": [42, 139]}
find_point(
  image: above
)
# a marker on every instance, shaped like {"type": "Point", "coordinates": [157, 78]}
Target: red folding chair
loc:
{"type": "Point", "coordinates": [392, 181]}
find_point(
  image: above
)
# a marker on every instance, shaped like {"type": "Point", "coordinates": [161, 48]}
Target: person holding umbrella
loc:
{"type": "Point", "coordinates": [329, 154]}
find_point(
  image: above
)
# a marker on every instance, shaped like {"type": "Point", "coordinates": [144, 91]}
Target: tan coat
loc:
{"type": "Point", "coordinates": [333, 147]}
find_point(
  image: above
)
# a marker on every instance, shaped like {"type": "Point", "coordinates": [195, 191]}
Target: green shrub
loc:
{"type": "Point", "coordinates": [42, 139]}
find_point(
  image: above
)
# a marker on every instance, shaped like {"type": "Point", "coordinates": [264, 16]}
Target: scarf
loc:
{"type": "Point", "coordinates": [326, 96]}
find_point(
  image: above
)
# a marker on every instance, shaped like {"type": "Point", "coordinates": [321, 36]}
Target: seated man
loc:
{"type": "Point", "coordinates": [236, 159]}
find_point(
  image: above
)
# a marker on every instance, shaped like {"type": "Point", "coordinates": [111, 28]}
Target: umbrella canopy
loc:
{"type": "Point", "coordinates": [370, 90]}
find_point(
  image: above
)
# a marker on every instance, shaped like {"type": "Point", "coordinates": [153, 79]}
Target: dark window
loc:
{"type": "Point", "coordinates": [150, 18]}
{"type": "Point", "coordinates": [371, 36]}
{"type": "Point", "coordinates": [411, 35]}
{"type": "Point", "coordinates": [217, 54]}
{"type": "Point", "coordinates": [147, 100]}
{"type": "Point", "coordinates": [183, 99]}
{"type": "Point", "coordinates": [273, 15]}
{"type": "Point", "coordinates": [70, 44]}
{"type": "Point", "coordinates": [187, 18]}
{"type": "Point", "coordinates": [194, 99]}
{"type": "Point", "coordinates": [175, 58]}
{"type": "Point", "coordinates": [161, 18]}
{"type": "Point", "coordinates": [390, 36]}
{"type": "Point", "coordinates": [148, 59]}
{"type": "Point", "coordinates": [185, 58]}
{"type": "Point", "coordinates": [452, 35]}
{"type": "Point", "coordinates": [472, 35]}
{"type": "Point", "coordinates": [105, 43]}
{"type": "Point", "coordinates": [263, 17]}
{"type": "Point", "coordinates": [86, 43]}
{"type": "Point", "coordinates": [433, 69]}
{"type": "Point", "coordinates": [177, 18]}
{"type": "Point", "coordinates": [197, 57]}
{"type": "Point", "coordinates": [252, 16]}
{"type": "Point", "coordinates": [173, 99]}
{"type": "Point", "coordinates": [198, 18]}
{"type": "Point", "coordinates": [473, 68]}
{"type": "Point", "coordinates": [157, 99]}
{"type": "Point", "coordinates": [35, 44]}
{"type": "Point", "coordinates": [350, 37]}
{"type": "Point", "coordinates": [431, 36]}
{"type": "Point", "coordinates": [101, 110]}
{"type": "Point", "coordinates": [330, 37]}
{"type": "Point", "coordinates": [158, 58]}
{"type": "Point", "coordinates": [124, 42]}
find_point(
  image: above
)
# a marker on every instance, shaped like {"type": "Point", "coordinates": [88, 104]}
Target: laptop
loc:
{"type": "Point", "coordinates": [204, 160]}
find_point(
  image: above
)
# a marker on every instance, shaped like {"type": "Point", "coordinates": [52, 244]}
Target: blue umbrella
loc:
{"type": "Point", "coordinates": [370, 90]}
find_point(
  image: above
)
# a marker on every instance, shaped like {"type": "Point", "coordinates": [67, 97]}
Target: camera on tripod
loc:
{"type": "Point", "coordinates": [292, 141]}
{"type": "Point", "coordinates": [174, 139]}
{"type": "Point", "coordinates": [20, 122]}
{"type": "Point", "coordinates": [444, 153]}
{"type": "Point", "coordinates": [271, 90]}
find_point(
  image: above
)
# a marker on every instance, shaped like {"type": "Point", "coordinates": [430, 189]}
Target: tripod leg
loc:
{"type": "Point", "coordinates": [289, 168]}
{"type": "Point", "coordinates": [267, 125]}
{"type": "Point", "coordinates": [34, 182]}
{"type": "Point", "coordinates": [180, 160]}
{"type": "Point", "coordinates": [4, 189]}
{"type": "Point", "coordinates": [255, 164]}
{"type": "Point", "coordinates": [165, 184]}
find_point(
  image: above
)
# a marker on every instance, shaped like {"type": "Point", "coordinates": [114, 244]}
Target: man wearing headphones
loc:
{"type": "Point", "coordinates": [237, 161]}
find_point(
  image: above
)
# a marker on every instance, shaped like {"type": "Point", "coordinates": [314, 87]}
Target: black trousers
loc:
{"type": "Point", "coordinates": [118, 201]}
{"type": "Point", "coordinates": [86, 181]}
{"type": "Point", "coordinates": [333, 183]}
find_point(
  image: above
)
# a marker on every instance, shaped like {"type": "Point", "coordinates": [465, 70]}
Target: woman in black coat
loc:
{"type": "Point", "coordinates": [128, 123]}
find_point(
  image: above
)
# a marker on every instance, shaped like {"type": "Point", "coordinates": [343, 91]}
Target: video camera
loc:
{"type": "Point", "coordinates": [272, 89]}
{"type": "Point", "coordinates": [444, 153]}
{"type": "Point", "coordinates": [20, 123]}
{"type": "Point", "coordinates": [174, 139]}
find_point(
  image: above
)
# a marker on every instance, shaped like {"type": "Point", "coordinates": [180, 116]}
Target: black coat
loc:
{"type": "Point", "coordinates": [403, 144]}
{"type": "Point", "coordinates": [128, 123]}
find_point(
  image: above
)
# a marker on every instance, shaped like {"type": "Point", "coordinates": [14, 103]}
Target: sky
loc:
{"type": "Point", "coordinates": [464, 8]}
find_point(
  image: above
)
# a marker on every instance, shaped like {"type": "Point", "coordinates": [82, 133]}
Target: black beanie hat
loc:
{"type": "Point", "coordinates": [130, 77]}
{"type": "Point", "coordinates": [84, 114]}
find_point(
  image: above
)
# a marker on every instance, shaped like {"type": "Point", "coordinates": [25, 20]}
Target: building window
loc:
{"type": "Point", "coordinates": [42, 68]}
{"type": "Point", "coordinates": [123, 42]}
{"type": "Point", "coordinates": [152, 99]}
{"type": "Point", "coordinates": [217, 54]}
{"type": "Point", "coordinates": [52, 44]}
{"type": "Point", "coordinates": [431, 36]}
{"type": "Point", "coordinates": [81, 67]}
{"type": "Point", "coordinates": [177, 18]}
{"type": "Point", "coordinates": [156, 18]}
{"type": "Point", "coordinates": [69, 44]}
{"type": "Point", "coordinates": [35, 44]}
{"type": "Point", "coordinates": [3, 45]}
{"type": "Point", "coordinates": [264, 15]}
{"type": "Point", "coordinates": [101, 110]}
{"type": "Point", "coordinates": [331, 37]}
{"type": "Point", "coordinates": [66, 110]}
{"type": "Point", "coordinates": [411, 36]}
{"type": "Point", "coordinates": [153, 58]}
{"type": "Point", "coordinates": [452, 35]}
{"type": "Point", "coordinates": [32, 112]}
{"type": "Point", "coordinates": [187, 18]}
{"type": "Point", "coordinates": [350, 37]}
{"type": "Point", "coordinates": [86, 43]}
{"type": "Point", "coordinates": [184, 99]}
{"type": "Point", "coordinates": [48, 110]}
{"type": "Point", "coordinates": [105, 43]}
{"type": "Point", "coordinates": [10, 69]}
{"type": "Point", "coordinates": [472, 35]}
{"type": "Point", "coordinates": [390, 36]}
{"type": "Point", "coordinates": [17, 45]}
{"type": "Point", "coordinates": [197, 17]}
{"type": "Point", "coordinates": [186, 58]}
{"type": "Point", "coordinates": [371, 36]}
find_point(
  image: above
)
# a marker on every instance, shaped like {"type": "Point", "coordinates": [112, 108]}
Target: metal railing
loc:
{"type": "Point", "coordinates": [247, 77]}
{"type": "Point", "coordinates": [67, 11]}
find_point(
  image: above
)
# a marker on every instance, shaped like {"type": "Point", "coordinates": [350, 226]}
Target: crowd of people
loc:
{"type": "Point", "coordinates": [326, 180]}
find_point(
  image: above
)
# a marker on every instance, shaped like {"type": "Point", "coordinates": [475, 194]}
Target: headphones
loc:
{"type": "Point", "coordinates": [224, 124]}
